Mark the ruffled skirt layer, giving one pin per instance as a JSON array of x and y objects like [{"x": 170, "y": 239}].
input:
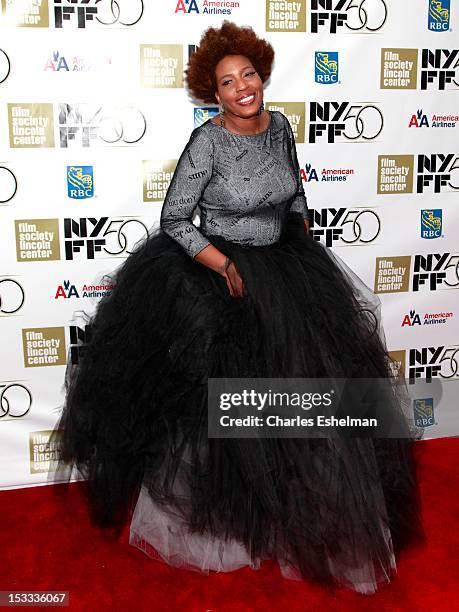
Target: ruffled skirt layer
[{"x": 134, "y": 422}]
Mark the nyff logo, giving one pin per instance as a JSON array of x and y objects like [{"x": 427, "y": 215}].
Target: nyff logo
[
  {"x": 344, "y": 121},
  {"x": 80, "y": 182},
  {"x": 326, "y": 67},
  {"x": 440, "y": 68},
  {"x": 431, "y": 362},
  {"x": 346, "y": 15}
]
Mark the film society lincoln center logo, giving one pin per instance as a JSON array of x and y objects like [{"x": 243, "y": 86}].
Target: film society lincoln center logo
[
  {"x": 43, "y": 454},
  {"x": 37, "y": 239},
  {"x": 30, "y": 125},
  {"x": 157, "y": 176},
  {"x": 43, "y": 346},
  {"x": 161, "y": 66},
  {"x": 395, "y": 174}
]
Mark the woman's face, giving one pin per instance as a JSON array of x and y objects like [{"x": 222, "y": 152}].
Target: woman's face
[{"x": 239, "y": 86}]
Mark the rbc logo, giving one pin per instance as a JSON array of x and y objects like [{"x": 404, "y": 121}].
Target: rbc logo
[
  {"x": 201, "y": 114},
  {"x": 80, "y": 182},
  {"x": 423, "y": 412},
  {"x": 439, "y": 13},
  {"x": 431, "y": 223},
  {"x": 326, "y": 67}
]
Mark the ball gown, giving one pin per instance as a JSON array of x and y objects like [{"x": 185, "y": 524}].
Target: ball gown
[{"x": 134, "y": 421}]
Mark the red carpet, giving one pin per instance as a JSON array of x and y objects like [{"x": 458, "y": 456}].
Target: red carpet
[{"x": 46, "y": 545}]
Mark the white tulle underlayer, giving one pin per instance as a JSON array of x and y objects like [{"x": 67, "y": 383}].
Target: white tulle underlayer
[{"x": 163, "y": 535}]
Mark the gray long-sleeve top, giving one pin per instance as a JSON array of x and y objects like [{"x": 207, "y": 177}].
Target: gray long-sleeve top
[{"x": 244, "y": 186}]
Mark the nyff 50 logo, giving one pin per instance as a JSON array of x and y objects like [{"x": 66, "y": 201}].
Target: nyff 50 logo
[
  {"x": 353, "y": 122},
  {"x": 433, "y": 362},
  {"x": 88, "y": 125},
  {"x": 12, "y": 296},
  {"x": 78, "y": 13},
  {"x": 350, "y": 15},
  {"x": 79, "y": 337},
  {"x": 344, "y": 226},
  {"x": 110, "y": 237},
  {"x": 440, "y": 68}
]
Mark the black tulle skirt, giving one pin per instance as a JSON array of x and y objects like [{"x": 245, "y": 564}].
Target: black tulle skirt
[{"x": 134, "y": 423}]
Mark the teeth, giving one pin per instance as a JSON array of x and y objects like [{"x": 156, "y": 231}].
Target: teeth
[{"x": 247, "y": 98}]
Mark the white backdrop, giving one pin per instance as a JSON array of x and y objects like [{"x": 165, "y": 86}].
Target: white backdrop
[{"x": 93, "y": 117}]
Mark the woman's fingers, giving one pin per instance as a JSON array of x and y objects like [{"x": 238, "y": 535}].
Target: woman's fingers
[
  {"x": 230, "y": 287},
  {"x": 240, "y": 289},
  {"x": 237, "y": 284},
  {"x": 234, "y": 281},
  {"x": 234, "y": 290}
]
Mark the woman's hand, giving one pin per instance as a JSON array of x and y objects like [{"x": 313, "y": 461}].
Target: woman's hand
[
  {"x": 214, "y": 259},
  {"x": 234, "y": 281}
]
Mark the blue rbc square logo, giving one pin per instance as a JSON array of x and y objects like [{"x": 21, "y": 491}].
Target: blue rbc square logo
[
  {"x": 326, "y": 67},
  {"x": 201, "y": 114},
  {"x": 431, "y": 223},
  {"x": 423, "y": 411},
  {"x": 439, "y": 15},
  {"x": 80, "y": 182}
]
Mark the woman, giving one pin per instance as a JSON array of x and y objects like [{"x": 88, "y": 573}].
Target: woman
[{"x": 247, "y": 294}]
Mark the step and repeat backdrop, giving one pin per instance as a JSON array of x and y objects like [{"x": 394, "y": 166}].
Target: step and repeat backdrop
[{"x": 94, "y": 115}]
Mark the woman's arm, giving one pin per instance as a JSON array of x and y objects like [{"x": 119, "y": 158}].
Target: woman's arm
[
  {"x": 299, "y": 203},
  {"x": 191, "y": 176}
]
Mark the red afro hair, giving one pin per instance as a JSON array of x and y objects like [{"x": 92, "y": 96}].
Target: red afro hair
[{"x": 214, "y": 45}]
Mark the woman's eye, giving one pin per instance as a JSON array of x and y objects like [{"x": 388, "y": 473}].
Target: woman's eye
[{"x": 247, "y": 74}]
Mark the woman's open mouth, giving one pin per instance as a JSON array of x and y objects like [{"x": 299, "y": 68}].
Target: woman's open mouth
[{"x": 246, "y": 100}]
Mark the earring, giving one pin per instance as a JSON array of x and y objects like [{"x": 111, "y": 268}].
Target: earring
[
  {"x": 261, "y": 109},
  {"x": 222, "y": 118}
]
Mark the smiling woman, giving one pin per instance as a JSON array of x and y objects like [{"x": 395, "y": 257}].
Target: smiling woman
[
  {"x": 217, "y": 44},
  {"x": 239, "y": 91},
  {"x": 246, "y": 294}
]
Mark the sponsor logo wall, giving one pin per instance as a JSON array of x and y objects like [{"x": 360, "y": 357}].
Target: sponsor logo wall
[{"x": 92, "y": 123}]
